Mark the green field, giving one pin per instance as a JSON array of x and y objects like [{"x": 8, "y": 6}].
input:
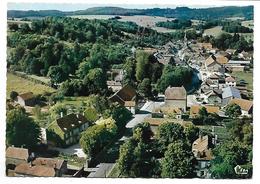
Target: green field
[
  {"x": 247, "y": 76},
  {"x": 216, "y": 31},
  {"x": 21, "y": 85}
]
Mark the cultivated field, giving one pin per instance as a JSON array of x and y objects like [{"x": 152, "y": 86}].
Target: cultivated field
[
  {"x": 215, "y": 31},
  {"x": 21, "y": 85},
  {"x": 247, "y": 76}
]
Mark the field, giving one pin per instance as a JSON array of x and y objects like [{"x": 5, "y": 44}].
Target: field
[
  {"x": 247, "y": 76},
  {"x": 248, "y": 23},
  {"x": 216, "y": 31},
  {"x": 21, "y": 85}
]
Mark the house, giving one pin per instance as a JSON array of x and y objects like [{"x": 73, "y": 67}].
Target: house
[
  {"x": 26, "y": 99},
  {"x": 231, "y": 51},
  {"x": 230, "y": 81},
  {"x": 222, "y": 58},
  {"x": 229, "y": 93},
  {"x": 166, "y": 112},
  {"x": 214, "y": 96},
  {"x": 211, "y": 64},
  {"x": 15, "y": 156},
  {"x": 114, "y": 85},
  {"x": 176, "y": 97},
  {"x": 205, "y": 46},
  {"x": 214, "y": 80},
  {"x": 194, "y": 110},
  {"x": 203, "y": 153},
  {"x": 60, "y": 166},
  {"x": 29, "y": 170},
  {"x": 66, "y": 130},
  {"x": 126, "y": 97},
  {"x": 245, "y": 105}
]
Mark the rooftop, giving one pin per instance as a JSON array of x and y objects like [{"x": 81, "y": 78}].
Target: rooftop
[
  {"x": 31, "y": 170},
  {"x": 48, "y": 162},
  {"x": 231, "y": 92},
  {"x": 245, "y": 105},
  {"x": 175, "y": 93},
  {"x": 26, "y": 96},
  {"x": 194, "y": 110},
  {"x": 17, "y": 153},
  {"x": 70, "y": 121}
]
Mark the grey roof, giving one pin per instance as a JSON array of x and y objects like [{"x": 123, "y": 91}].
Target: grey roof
[{"x": 231, "y": 92}]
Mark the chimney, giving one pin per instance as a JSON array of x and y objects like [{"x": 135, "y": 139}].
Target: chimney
[
  {"x": 200, "y": 137},
  {"x": 61, "y": 114},
  {"x": 77, "y": 115}
]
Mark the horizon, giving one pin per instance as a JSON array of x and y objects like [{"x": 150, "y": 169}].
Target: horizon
[{"x": 83, "y": 6}]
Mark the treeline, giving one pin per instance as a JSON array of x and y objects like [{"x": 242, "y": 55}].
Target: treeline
[
  {"x": 175, "y": 24},
  {"x": 228, "y": 26},
  {"x": 179, "y": 12}
]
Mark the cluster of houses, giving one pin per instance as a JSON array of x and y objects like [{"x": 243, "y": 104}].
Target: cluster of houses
[{"x": 19, "y": 162}]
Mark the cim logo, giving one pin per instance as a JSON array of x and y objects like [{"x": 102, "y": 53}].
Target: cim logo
[{"x": 239, "y": 170}]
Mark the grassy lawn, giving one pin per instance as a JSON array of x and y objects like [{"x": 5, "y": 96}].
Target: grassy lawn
[
  {"x": 247, "y": 76},
  {"x": 220, "y": 131},
  {"x": 21, "y": 85},
  {"x": 215, "y": 31},
  {"x": 72, "y": 160}
]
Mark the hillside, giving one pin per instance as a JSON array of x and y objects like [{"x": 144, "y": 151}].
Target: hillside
[{"x": 179, "y": 12}]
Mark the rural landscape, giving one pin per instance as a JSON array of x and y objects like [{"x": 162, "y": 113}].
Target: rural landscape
[{"x": 111, "y": 92}]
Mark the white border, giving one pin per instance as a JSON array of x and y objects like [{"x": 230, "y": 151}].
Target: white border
[{"x": 3, "y": 9}]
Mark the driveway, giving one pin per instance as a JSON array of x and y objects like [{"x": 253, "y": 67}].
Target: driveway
[{"x": 72, "y": 150}]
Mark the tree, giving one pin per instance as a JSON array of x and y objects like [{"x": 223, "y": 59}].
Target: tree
[
  {"x": 13, "y": 27},
  {"x": 57, "y": 74},
  {"x": 129, "y": 68},
  {"x": 145, "y": 88},
  {"x": 142, "y": 132},
  {"x": 227, "y": 156},
  {"x": 58, "y": 110},
  {"x": 25, "y": 29},
  {"x": 233, "y": 110},
  {"x": 168, "y": 133},
  {"x": 13, "y": 95},
  {"x": 96, "y": 81},
  {"x": 191, "y": 132},
  {"x": 178, "y": 161},
  {"x": 142, "y": 60},
  {"x": 93, "y": 140},
  {"x": 21, "y": 130},
  {"x": 91, "y": 114},
  {"x": 174, "y": 76}
]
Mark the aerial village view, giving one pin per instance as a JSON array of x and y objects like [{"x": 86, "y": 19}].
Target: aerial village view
[{"x": 115, "y": 92}]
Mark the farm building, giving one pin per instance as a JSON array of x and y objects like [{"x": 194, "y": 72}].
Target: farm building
[
  {"x": 66, "y": 130},
  {"x": 176, "y": 97},
  {"x": 26, "y": 99},
  {"x": 245, "y": 105}
]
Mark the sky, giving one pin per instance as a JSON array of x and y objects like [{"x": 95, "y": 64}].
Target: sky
[{"x": 81, "y": 6}]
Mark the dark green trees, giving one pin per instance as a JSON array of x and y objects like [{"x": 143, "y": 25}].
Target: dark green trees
[
  {"x": 21, "y": 130},
  {"x": 178, "y": 161}
]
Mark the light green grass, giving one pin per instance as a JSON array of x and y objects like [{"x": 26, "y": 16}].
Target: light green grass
[
  {"x": 247, "y": 76},
  {"x": 21, "y": 85}
]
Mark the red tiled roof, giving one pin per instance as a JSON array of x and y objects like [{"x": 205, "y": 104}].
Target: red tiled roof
[
  {"x": 17, "y": 153},
  {"x": 175, "y": 93},
  {"x": 30, "y": 170}
]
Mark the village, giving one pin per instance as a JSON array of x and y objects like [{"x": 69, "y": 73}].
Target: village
[
  {"x": 114, "y": 102},
  {"x": 218, "y": 89}
]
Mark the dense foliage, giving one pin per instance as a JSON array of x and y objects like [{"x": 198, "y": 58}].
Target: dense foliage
[
  {"x": 175, "y": 24},
  {"x": 21, "y": 130}
]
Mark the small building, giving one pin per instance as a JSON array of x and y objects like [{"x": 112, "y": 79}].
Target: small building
[
  {"x": 30, "y": 170},
  {"x": 211, "y": 64},
  {"x": 126, "y": 97},
  {"x": 26, "y": 99},
  {"x": 230, "y": 81},
  {"x": 60, "y": 166},
  {"x": 176, "y": 97},
  {"x": 66, "y": 130},
  {"x": 205, "y": 46},
  {"x": 15, "y": 156},
  {"x": 214, "y": 97},
  {"x": 203, "y": 153},
  {"x": 229, "y": 93},
  {"x": 194, "y": 110},
  {"x": 114, "y": 85},
  {"x": 245, "y": 105}
]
